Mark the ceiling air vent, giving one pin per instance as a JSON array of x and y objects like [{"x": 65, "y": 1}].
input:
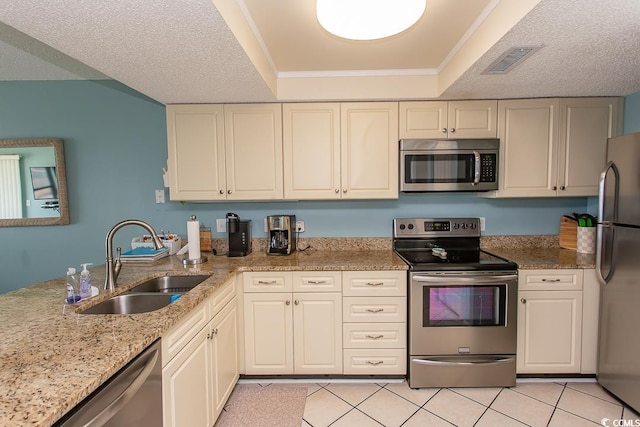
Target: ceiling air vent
[{"x": 511, "y": 58}]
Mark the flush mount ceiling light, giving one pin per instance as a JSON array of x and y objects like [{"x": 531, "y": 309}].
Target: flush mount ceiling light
[{"x": 368, "y": 19}]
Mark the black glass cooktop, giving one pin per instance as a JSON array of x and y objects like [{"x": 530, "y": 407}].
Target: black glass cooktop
[{"x": 449, "y": 254}]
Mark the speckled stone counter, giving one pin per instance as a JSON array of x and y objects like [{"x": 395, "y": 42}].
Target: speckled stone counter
[
  {"x": 536, "y": 252},
  {"x": 50, "y": 361}
]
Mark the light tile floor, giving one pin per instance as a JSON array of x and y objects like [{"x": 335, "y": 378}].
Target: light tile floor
[{"x": 553, "y": 404}]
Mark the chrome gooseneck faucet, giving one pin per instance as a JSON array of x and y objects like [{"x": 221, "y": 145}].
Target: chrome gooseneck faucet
[{"x": 113, "y": 269}]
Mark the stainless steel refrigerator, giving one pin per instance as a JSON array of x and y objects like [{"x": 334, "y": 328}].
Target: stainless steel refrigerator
[{"x": 618, "y": 269}]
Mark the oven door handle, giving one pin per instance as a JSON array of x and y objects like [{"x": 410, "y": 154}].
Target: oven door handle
[
  {"x": 479, "y": 362},
  {"x": 458, "y": 279}
]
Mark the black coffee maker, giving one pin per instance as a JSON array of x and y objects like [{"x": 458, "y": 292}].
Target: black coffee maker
[{"x": 239, "y": 235}]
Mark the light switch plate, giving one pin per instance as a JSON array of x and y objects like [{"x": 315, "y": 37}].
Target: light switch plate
[
  {"x": 482, "y": 223},
  {"x": 221, "y": 225},
  {"x": 159, "y": 196}
]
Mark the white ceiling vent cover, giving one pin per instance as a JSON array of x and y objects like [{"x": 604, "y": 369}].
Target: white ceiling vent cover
[{"x": 508, "y": 60}]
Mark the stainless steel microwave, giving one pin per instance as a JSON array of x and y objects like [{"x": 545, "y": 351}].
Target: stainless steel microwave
[{"x": 449, "y": 164}]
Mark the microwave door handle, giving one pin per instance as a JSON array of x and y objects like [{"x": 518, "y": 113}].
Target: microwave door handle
[{"x": 476, "y": 174}]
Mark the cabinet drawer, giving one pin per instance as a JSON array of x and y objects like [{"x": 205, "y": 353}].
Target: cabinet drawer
[
  {"x": 225, "y": 293},
  {"x": 550, "y": 279},
  {"x": 374, "y": 335},
  {"x": 181, "y": 333},
  {"x": 374, "y": 309},
  {"x": 375, "y": 283},
  {"x": 375, "y": 361},
  {"x": 267, "y": 281},
  {"x": 317, "y": 281}
]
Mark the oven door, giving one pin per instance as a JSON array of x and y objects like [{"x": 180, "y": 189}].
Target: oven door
[
  {"x": 463, "y": 313},
  {"x": 448, "y": 170}
]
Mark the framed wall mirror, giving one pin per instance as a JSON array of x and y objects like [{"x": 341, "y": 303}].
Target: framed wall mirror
[{"x": 33, "y": 185}]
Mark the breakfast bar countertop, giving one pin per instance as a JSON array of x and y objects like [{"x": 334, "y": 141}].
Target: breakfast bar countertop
[{"x": 52, "y": 360}]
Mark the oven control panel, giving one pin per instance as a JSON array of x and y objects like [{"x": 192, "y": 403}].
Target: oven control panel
[{"x": 436, "y": 227}]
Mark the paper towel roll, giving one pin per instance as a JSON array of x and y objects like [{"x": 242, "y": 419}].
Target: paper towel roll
[{"x": 193, "y": 236}]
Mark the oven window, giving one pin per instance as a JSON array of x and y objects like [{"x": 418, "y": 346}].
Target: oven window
[
  {"x": 439, "y": 168},
  {"x": 464, "y": 305}
]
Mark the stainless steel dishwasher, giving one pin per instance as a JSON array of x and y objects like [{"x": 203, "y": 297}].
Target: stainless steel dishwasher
[{"x": 132, "y": 397}]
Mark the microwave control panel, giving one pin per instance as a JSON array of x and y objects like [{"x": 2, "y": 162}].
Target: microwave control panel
[{"x": 488, "y": 167}]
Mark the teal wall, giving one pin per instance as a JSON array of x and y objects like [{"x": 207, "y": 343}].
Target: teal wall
[
  {"x": 115, "y": 147},
  {"x": 632, "y": 113}
]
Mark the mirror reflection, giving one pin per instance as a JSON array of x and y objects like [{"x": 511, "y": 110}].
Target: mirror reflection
[{"x": 33, "y": 187}]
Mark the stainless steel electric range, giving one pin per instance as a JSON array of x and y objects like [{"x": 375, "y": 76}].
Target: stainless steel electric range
[{"x": 462, "y": 305}]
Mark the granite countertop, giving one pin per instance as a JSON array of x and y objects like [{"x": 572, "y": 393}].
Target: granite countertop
[
  {"x": 536, "y": 252},
  {"x": 52, "y": 360}
]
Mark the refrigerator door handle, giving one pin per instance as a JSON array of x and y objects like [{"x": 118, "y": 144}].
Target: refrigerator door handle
[{"x": 606, "y": 224}]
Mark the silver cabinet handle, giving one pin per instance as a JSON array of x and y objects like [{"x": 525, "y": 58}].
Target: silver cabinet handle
[
  {"x": 271, "y": 282},
  {"x": 212, "y": 334},
  {"x": 374, "y": 337},
  {"x": 444, "y": 130},
  {"x": 374, "y": 362},
  {"x": 344, "y": 190},
  {"x": 452, "y": 130},
  {"x": 554, "y": 188},
  {"x": 375, "y": 283},
  {"x": 288, "y": 302},
  {"x": 296, "y": 302},
  {"x": 550, "y": 280},
  {"x": 316, "y": 282},
  {"x": 336, "y": 190},
  {"x": 221, "y": 192},
  {"x": 375, "y": 310},
  {"x": 228, "y": 191},
  {"x": 562, "y": 187},
  {"x": 523, "y": 300}
]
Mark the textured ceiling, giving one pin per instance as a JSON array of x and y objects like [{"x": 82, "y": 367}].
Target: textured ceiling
[{"x": 188, "y": 51}]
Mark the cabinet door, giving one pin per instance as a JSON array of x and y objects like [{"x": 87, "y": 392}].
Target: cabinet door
[
  {"x": 423, "y": 119},
  {"x": 586, "y": 125},
  {"x": 224, "y": 355},
  {"x": 590, "y": 322},
  {"x": 528, "y": 131},
  {"x": 317, "y": 330},
  {"x": 369, "y": 150},
  {"x": 186, "y": 386},
  {"x": 311, "y": 142},
  {"x": 268, "y": 333},
  {"x": 472, "y": 119},
  {"x": 195, "y": 136},
  {"x": 253, "y": 151},
  {"x": 549, "y": 332}
]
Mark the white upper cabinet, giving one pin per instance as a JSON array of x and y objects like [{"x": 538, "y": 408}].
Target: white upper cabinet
[
  {"x": 230, "y": 152},
  {"x": 369, "y": 150},
  {"x": 253, "y": 150},
  {"x": 311, "y": 139},
  {"x": 340, "y": 151},
  {"x": 554, "y": 147},
  {"x": 195, "y": 135},
  {"x": 448, "y": 119}
]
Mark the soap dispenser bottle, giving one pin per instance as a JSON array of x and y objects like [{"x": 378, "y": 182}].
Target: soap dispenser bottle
[
  {"x": 85, "y": 281},
  {"x": 72, "y": 287}
]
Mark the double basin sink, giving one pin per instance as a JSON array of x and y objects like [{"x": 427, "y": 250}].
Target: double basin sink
[{"x": 150, "y": 295}]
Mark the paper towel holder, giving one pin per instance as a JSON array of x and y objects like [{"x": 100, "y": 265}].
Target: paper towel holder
[{"x": 195, "y": 261}]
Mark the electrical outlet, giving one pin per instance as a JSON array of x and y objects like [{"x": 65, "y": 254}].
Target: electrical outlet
[
  {"x": 482, "y": 223},
  {"x": 221, "y": 225},
  {"x": 266, "y": 226},
  {"x": 159, "y": 196},
  {"x": 300, "y": 226}
]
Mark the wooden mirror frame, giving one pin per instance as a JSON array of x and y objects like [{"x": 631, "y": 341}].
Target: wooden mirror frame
[{"x": 58, "y": 149}]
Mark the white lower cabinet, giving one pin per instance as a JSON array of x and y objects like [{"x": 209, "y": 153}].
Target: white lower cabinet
[
  {"x": 557, "y": 321},
  {"x": 292, "y": 323},
  {"x": 375, "y": 322},
  {"x": 200, "y": 362}
]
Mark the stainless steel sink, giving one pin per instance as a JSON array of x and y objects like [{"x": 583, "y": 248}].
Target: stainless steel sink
[
  {"x": 170, "y": 284},
  {"x": 132, "y": 303}
]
